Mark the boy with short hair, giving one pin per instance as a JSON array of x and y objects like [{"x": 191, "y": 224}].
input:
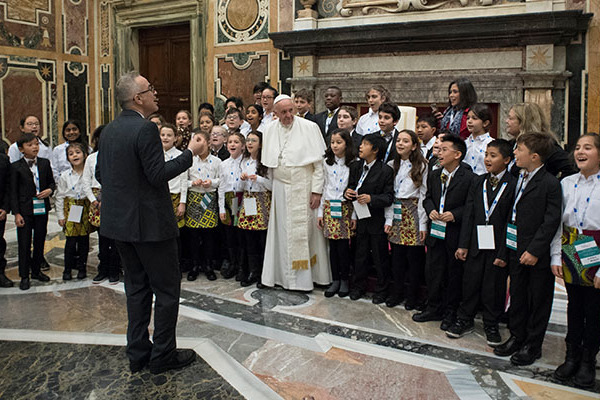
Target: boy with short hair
[
  {"x": 233, "y": 120},
  {"x": 533, "y": 221},
  {"x": 482, "y": 236},
  {"x": 303, "y": 99},
  {"x": 426, "y": 130},
  {"x": 447, "y": 189},
  {"x": 389, "y": 115},
  {"x": 31, "y": 183},
  {"x": 371, "y": 183}
]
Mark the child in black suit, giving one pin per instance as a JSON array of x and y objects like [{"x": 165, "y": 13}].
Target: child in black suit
[
  {"x": 371, "y": 183},
  {"x": 482, "y": 235},
  {"x": 533, "y": 221},
  {"x": 31, "y": 184},
  {"x": 447, "y": 190}
]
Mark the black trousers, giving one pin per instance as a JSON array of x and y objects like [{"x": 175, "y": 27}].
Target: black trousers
[
  {"x": 443, "y": 273},
  {"x": 531, "y": 296},
  {"x": 254, "y": 242},
  {"x": 377, "y": 245},
  {"x": 202, "y": 242},
  {"x": 110, "y": 263},
  {"x": 339, "y": 258},
  {"x": 2, "y": 247},
  {"x": 407, "y": 261},
  {"x": 151, "y": 268},
  {"x": 76, "y": 252},
  {"x": 35, "y": 228},
  {"x": 583, "y": 317},
  {"x": 233, "y": 237},
  {"x": 485, "y": 284}
]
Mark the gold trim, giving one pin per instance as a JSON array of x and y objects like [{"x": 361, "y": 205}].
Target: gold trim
[
  {"x": 300, "y": 264},
  {"x": 313, "y": 260}
]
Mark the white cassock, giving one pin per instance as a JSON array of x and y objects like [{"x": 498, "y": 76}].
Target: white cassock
[{"x": 296, "y": 251}]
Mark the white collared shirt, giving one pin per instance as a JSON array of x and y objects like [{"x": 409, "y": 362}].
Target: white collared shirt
[
  {"x": 329, "y": 119},
  {"x": 368, "y": 123},
  {"x": 177, "y": 185},
  {"x": 204, "y": 169},
  {"x": 476, "y": 147},
  {"x": 267, "y": 118},
  {"x": 229, "y": 179},
  {"x": 89, "y": 177},
  {"x": 336, "y": 181},
  {"x": 262, "y": 184},
  {"x": 404, "y": 188},
  {"x": 521, "y": 185},
  {"x": 425, "y": 147},
  {"x": 70, "y": 184},
  {"x": 34, "y": 171}
]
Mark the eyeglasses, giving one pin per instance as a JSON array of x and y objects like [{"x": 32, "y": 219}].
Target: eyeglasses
[
  {"x": 150, "y": 89},
  {"x": 251, "y": 140},
  {"x": 32, "y": 124},
  {"x": 267, "y": 97},
  {"x": 233, "y": 117}
]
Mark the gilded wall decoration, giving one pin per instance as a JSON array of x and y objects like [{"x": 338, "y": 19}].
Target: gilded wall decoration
[
  {"x": 75, "y": 27},
  {"x": 242, "y": 21},
  {"x": 350, "y": 7},
  {"x": 28, "y": 24},
  {"x": 76, "y": 94},
  {"x": 104, "y": 29}
]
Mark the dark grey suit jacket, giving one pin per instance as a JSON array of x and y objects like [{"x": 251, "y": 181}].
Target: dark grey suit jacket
[{"x": 136, "y": 204}]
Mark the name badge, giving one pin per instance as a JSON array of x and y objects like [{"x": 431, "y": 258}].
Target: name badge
[
  {"x": 335, "y": 206},
  {"x": 75, "y": 213},
  {"x": 39, "y": 206},
  {"x": 362, "y": 210},
  {"x": 588, "y": 252},
  {"x": 438, "y": 229},
  {"x": 250, "y": 208},
  {"x": 485, "y": 237},
  {"x": 511, "y": 237},
  {"x": 234, "y": 206},
  {"x": 397, "y": 210},
  {"x": 205, "y": 202}
]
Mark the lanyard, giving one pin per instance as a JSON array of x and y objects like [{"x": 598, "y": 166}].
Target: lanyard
[
  {"x": 587, "y": 204},
  {"x": 389, "y": 149},
  {"x": 36, "y": 177},
  {"x": 519, "y": 194},
  {"x": 362, "y": 178},
  {"x": 444, "y": 191},
  {"x": 489, "y": 210}
]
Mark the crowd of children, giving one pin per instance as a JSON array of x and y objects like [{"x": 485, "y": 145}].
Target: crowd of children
[{"x": 461, "y": 216}]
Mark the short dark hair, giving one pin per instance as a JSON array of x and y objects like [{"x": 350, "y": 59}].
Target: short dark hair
[
  {"x": 236, "y": 100},
  {"x": 78, "y": 145},
  {"x": 77, "y": 124},
  {"x": 22, "y": 122},
  {"x": 260, "y": 86},
  {"x": 206, "y": 106},
  {"x": 538, "y": 142},
  {"x": 271, "y": 88},
  {"x": 25, "y": 138},
  {"x": 457, "y": 143},
  {"x": 169, "y": 126},
  {"x": 335, "y": 88},
  {"x": 258, "y": 109},
  {"x": 483, "y": 112},
  {"x": 232, "y": 110},
  {"x": 503, "y": 146},
  {"x": 392, "y": 109},
  {"x": 468, "y": 95},
  {"x": 429, "y": 119},
  {"x": 304, "y": 94},
  {"x": 377, "y": 143}
]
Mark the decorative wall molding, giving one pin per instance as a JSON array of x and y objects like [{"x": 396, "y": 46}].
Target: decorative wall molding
[{"x": 349, "y": 7}]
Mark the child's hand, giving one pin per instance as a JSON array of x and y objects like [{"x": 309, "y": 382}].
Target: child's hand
[
  {"x": 253, "y": 178},
  {"x": 197, "y": 182},
  {"x": 461, "y": 254},
  {"x": 500, "y": 263},
  {"x": 596, "y": 282},
  {"x": 206, "y": 184},
  {"x": 434, "y": 215},
  {"x": 528, "y": 259},
  {"x": 180, "y": 210},
  {"x": 422, "y": 236},
  {"x": 19, "y": 221},
  {"x": 364, "y": 198},
  {"x": 447, "y": 216},
  {"x": 387, "y": 229},
  {"x": 223, "y": 216},
  {"x": 350, "y": 194},
  {"x": 438, "y": 115},
  {"x": 61, "y": 222},
  {"x": 353, "y": 225},
  {"x": 244, "y": 176},
  {"x": 2, "y": 215},
  {"x": 44, "y": 193},
  {"x": 557, "y": 270},
  {"x": 320, "y": 223},
  {"x": 96, "y": 203}
]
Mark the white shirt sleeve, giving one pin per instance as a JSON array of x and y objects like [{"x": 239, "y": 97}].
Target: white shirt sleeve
[{"x": 555, "y": 248}]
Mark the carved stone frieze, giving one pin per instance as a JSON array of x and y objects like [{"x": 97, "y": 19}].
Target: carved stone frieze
[{"x": 349, "y": 7}]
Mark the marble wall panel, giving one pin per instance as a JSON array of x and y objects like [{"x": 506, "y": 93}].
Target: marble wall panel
[
  {"x": 27, "y": 24},
  {"x": 105, "y": 94},
  {"x": 104, "y": 29},
  {"x": 75, "y": 27},
  {"x": 285, "y": 72},
  {"x": 241, "y": 21},
  {"x": 76, "y": 94}
]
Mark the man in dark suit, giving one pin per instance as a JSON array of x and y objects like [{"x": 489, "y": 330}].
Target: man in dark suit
[
  {"x": 327, "y": 120},
  {"x": 137, "y": 213},
  {"x": 447, "y": 190},
  {"x": 4, "y": 209},
  {"x": 31, "y": 183}
]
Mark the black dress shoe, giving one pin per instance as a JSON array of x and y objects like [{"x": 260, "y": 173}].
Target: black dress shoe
[
  {"x": 193, "y": 274},
  {"x": 81, "y": 274},
  {"x": 426, "y": 316},
  {"x": 393, "y": 301},
  {"x": 179, "y": 359},
  {"x": 511, "y": 346},
  {"x": 378, "y": 299},
  {"x": 44, "y": 266},
  {"x": 5, "y": 282},
  {"x": 448, "y": 321},
  {"x": 229, "y": 272},
  {"x": 210, "y": 275},
  {"x": 137, "y": 366},
  {"x": 25, "y": 284},
  {"x": 252, "y": 278},
  {"x": 67, "y": 276},
  {"x": 356, "y": 294},
  {"x": 42, "y": 277},
  {"x": 526, "y": 355}
]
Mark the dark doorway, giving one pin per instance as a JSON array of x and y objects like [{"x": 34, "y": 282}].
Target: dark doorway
[{"x": 165, "y": 62}]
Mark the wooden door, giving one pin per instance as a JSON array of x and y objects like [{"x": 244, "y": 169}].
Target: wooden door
[{"x": 165, "y": 62}]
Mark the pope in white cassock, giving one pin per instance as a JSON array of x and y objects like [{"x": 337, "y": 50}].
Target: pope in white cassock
[{"x": 296, "y": 251}]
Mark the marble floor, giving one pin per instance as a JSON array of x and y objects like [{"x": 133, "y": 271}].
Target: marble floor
[{"x": 66, "y": 341}]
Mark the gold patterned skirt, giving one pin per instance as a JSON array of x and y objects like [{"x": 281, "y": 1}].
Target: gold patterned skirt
[
  {"x": 260, "y": 221},
  {"x": 94, "y": 214},
  {"x": 232, "y": 213},
  {"x": 176, "y": 200},
  {"x": 337, "y": 228},
  {"x": 82, "y": 228},
  {"x": 406, "y": 232},
  {"x": 202, "y": 210}
]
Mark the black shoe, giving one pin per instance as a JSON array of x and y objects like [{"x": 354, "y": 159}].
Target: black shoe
[
  {"x": 344, "y": 289},
  {"x": 526, "y": 355},
  {"x": 42, "y": 277},
  {"x": 193, "y": 274},
  {"x": 378, "y": 299},
  {"x": 25, "y": 284},
  {"x": 410, "y": 305},
  {"x": 230, "y": 272},
  {"x": 113, "y": 280},
  {"x": 460, "y": 328},
  {"x": 81, "y": 274},
  {"x": 426, "y": 316},
  {"x": 137, "y": 366},
  {"x": 585, "y": 377},
  {"x": 566, "y": 370},
  {"x": 5, "y": 282},
  {"x": 67, "y": 276},
  {"x": 511, "y": 346},
  {"x": 393, "y": 301},
  {"x": 259, "y": 285},
  {"x": 179, "y": 359},
  {"x": 241, "y": 275},
  {"x": 252, "y": 278},
  {"x": 210, "y": 274},
  {"x": 101, "y": 277},
  {"x": 356, "y": 294},
  {"x": 44, "y": 266},
  {"x": 448, "y": 320},
  {"x": 492, "y": 335},
  {"x": 332, "y": 289}
]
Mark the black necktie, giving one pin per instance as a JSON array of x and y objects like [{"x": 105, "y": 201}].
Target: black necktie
[{"x": 31, "y": 163}]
